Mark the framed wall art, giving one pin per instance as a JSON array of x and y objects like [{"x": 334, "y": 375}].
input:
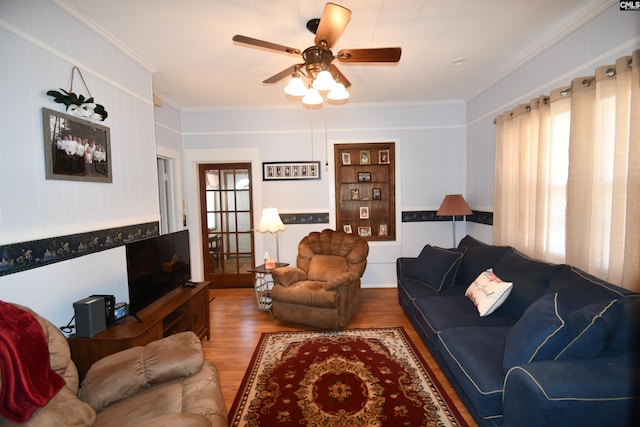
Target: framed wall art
[
  {"x": 364, "y": 212},
  {"x": 364, "y": 176},
  {"x": 283, "y": 171},
  {"x": 364, "y": 231},
  {"x": 76, "y": 149}
]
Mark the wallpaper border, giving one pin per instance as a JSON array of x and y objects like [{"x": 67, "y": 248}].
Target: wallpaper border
[
  {"x": 480, "y": 217},
  {"x": 23, "y": 256}
]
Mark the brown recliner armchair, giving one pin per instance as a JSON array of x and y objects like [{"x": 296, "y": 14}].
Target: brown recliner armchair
[
  {"x": 324, "y": 289},
  {"x": 165, "y": 383}
]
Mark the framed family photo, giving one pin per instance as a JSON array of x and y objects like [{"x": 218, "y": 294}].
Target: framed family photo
[
  {"x": 347, "y": 229},
  {"x": 364, "y": 231},
  {"x": 274, "y": 171},
  {"x": 75, "y": 149},
  {"x": 364, "y": 212},
  {"x": 346, "y": 158}
]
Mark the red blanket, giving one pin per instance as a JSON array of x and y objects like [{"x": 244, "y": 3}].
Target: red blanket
[{"x": 28, "y": 382}]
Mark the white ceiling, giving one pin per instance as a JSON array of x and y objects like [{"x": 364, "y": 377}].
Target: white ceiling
[{"x": 197, "y": 65}]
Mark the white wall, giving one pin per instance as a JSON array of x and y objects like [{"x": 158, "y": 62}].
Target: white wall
[
  {"x": 430, "y": 162},
  {"x": 599, "y": 41},
  {"x": 39, "y": 44}
]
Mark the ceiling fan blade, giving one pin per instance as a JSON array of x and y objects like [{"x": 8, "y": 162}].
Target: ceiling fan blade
[
  {"x": 282, "y": 74},
  {"x": 267, "y": 45},
  {"x": 332, "y": 24},
  {"x": 384, "y": 54},
  {"x": 335, "y": 72}
]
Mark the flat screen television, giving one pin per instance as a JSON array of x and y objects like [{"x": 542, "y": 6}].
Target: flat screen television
[{"x": 155, "y": 267}]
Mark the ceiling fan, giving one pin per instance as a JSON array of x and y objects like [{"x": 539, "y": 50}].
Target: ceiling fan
[{"x": 318, "y": 59}]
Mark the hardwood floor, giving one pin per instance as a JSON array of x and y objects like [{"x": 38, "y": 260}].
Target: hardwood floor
[{"x": 236, "y": 326}]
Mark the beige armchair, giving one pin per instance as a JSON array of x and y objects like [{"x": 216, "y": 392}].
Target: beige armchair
[
  {"x": 165, "y": 383},
  {"x": 324, "y": 289}
]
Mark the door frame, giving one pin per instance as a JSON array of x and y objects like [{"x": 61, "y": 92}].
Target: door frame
[
  {"x": 193, "y": 158},
  {"x": 176, "y": 198}
]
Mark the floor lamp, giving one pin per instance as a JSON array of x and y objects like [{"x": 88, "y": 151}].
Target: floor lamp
[
  {"x": 271, "y": 222},
  {"x": 453, "y": 205}
]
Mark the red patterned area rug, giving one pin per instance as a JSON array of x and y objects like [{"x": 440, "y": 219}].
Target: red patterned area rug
[{"x": 357, "y": 377}]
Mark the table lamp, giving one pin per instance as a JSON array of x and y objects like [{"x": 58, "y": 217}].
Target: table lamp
[
  {"x": 271, "y": 222},
  {"x": 452, "y": 205}
]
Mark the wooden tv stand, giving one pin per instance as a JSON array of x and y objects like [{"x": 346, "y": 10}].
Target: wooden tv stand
[{"x": 183, "y": 309}]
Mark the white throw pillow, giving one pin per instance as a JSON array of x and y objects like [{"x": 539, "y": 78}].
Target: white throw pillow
[{"x": 488, "y": 292}]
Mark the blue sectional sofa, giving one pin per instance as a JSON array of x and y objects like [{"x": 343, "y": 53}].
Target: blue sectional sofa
[{"x": 561, "y": 348}]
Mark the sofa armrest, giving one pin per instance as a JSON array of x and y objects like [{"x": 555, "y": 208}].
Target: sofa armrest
[
  {"x": 589, "y": 392},
  {"x": 286, "y": 276},
  {"x": 120, "y": 375},
  {"x": 404, "y": 264},
  {"x": 342, "y": 280}
]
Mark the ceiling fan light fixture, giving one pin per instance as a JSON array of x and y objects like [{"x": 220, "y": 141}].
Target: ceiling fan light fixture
[
  {"x": 312, "y": 97},
  {"x": 296, "y": 87},
  {"x": 324, "y": 81},
  {"x": 338, "y": 93}
]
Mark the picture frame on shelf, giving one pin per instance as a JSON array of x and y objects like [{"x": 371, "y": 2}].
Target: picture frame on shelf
[
  {"x": 347, "y": 229},
  {"x": 76, "y": 149},
  {"x": 364, "y": 176},
  {"x": 383, "y": 157},
  {"x": 364, "y": 212},
  {"x": 355, "y": 194},
  {"x": 383, "y": 230},
  {"x": 282, "y": 171},
  {"x": 376, "y": 193},
  {"x": 365, "y": 157},
  {"x": 364, "y": 231},
  {"x": 346, "y": 158}
]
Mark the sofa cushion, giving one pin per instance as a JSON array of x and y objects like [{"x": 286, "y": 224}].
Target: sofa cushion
[
  {"x": 626, "y": 337},
  {"x": 488, "y": 292},
  {"x": 64, "y": 409},
  {"x": 479, "y": 257},
  {"x": 538, "y": 335},
  {"x": 436, "y": 267},
  {"x": 577, "y": 289},
  {"x": 590, "y": 330},
  {"x": 530, "y": 279},
  {"x": 306, "y": 293},
  {"x": 473, "y": 355},
  {"x": 324, "y": 267},
  {"x": 446, "y": 312}
]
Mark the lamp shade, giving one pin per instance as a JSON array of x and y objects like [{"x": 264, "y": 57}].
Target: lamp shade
[
  {"x": 452, "y": 205},
  {"x": 312, "y": 97},
  {"x": 338, "y": 93},
  {"x": 323, "y": 81},
  {"x": 270, "y": 221},
  {"x": 296, "y": 87}
]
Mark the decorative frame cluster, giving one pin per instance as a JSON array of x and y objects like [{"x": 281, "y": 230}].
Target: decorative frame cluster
[{"x": 286, "y": 171}]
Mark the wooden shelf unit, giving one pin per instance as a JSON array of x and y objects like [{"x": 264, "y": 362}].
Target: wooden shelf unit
[
  {"x": 183, "y": 309},
  {"x": 369, "y": 188}
]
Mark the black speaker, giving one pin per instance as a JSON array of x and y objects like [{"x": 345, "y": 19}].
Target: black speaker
[
  {"x": 109, "y": 307},
  {"x": 91, "y": 316}
]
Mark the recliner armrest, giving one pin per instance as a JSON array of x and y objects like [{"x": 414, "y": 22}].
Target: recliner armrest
[
  {"x": 120, "y": 375},
  {"x": 286, "y": 276}
]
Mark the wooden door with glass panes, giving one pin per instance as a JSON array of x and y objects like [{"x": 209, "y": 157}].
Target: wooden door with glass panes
[{"x": 227, "y": 223}]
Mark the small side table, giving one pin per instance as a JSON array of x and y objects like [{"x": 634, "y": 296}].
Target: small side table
[{"x": 263, "y": 286}]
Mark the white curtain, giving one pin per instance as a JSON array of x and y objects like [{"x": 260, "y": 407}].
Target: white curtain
[{"x": 567, "y": 183}]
